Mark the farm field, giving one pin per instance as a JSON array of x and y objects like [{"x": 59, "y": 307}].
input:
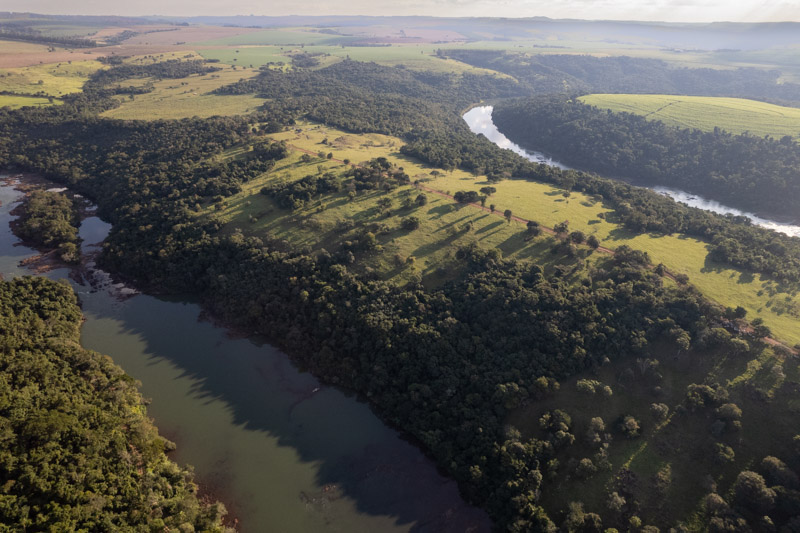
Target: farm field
[
  {"x": 54, "y": 79},
  {"x": 15, "y": 102},
  {"x": 547, "y": 205},
  {"x": 188, "y": 97},
  {"x": 735, "y": 115}
]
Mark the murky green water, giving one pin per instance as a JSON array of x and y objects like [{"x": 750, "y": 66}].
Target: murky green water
[{"x": 283, "y": 451}]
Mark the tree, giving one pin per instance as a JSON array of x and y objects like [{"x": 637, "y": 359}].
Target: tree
[
  {"x": 751, "y": 493},
  {"x": 577, "y": 237},
  {"x": 488, "y": 191},
  {"x": 410, "y": 223},
  {"x": 492, "y": 207},
  {"x": 507, "y": 213},
  {"x": 533, "y": 228},
  {"x": 629, "y": 427},
  {"x": 421, "y": 199},
  {"x": 385, "y": 203},
  {"x": 561, "y": 227},
  {"x": 592, "y": 242},
  {"x": 660, "y": 411}
]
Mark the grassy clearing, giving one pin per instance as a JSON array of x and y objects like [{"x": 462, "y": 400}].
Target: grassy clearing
[
  {"x": 188, "y": 97},
  {"x": 331, "y": 219},
  {"x": 55, "y": 79},
  {"x": 547, "y": 205},
  {"x": 682, "y": 444},
  {"x": 680, "y": 254},
  {"x": 15, "y": 102},
  {"x": 736, "y": 115}
]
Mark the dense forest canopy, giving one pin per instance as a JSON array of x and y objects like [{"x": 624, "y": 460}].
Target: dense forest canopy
[{"x": 77, "y": 452}]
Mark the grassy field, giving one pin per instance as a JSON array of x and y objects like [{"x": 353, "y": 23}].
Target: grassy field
[
  {"x": 548, "y": 206},
  {"x": 736, "y": 115},
  {"x": 15, "y": 102},
  {"x": 188, "y": 97},
  {"x": 334, "y": 218},
  {"x": 55, "y": 79},
  {"x": 682, "y": 445}
]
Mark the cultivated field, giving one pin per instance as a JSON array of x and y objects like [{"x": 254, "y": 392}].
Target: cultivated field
[{"x": 735, "y": 115}]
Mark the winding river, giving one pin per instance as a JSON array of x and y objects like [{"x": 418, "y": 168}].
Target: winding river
[
  {"x": 283, "y": 451},
  {"x": 479, "y": 120}
]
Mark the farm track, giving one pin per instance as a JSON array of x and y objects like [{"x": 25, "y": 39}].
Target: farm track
[{"x": 551, "y": 231}]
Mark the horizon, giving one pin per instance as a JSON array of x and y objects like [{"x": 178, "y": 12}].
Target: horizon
[{"x": 663, "y": 11}]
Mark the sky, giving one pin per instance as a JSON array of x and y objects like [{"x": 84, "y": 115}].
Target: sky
[{"x": 652, "y": 10}]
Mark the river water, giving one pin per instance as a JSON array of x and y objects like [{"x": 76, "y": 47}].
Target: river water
[
  {"x": 284, "y": 452},
  {"x": 479, "y": 120}
]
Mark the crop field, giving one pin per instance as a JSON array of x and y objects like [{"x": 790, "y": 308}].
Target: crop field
[
  {"x": 546, "y": 204},
  {"x": 668, "y": 484},
  {"x": 188, "y": 97},
  {"x": 15, "y": 102},
  {"x": 55, "y": 79},
  {"x": 735, "y": 115}
]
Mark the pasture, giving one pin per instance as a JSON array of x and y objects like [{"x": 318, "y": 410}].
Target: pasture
[
  {"x": 187, "y": 97},
  {"x": 736, "y": 115},
  {"x": 15, "y": 102},
  {"x": 52, "y": 79},
  {"x": 779, "y": 307}
]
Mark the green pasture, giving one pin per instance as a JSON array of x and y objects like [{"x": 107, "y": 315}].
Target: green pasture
[
  {"x": 736, "y": 115},
  {"x": 778, "y": 306},
  {"x": 187, "y": 97},
  {"x": 54, "y": 79},
  {"x": 15, "y": 102}
]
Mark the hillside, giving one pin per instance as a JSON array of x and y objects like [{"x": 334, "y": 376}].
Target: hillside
[{"x": 736, "y": 115}]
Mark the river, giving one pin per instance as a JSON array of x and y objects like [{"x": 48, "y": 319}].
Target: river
[
  {"x": 283, "y": 451},
  {"x": 479, "y": 120}
]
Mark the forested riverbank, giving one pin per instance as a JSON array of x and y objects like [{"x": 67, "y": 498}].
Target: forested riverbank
[{"x": 82, "y": 416}]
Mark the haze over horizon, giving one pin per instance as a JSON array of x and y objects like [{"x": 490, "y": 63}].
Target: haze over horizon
[{"x": 657, "y": 10}]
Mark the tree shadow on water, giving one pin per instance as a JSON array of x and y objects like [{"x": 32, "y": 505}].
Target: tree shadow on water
[{"x": 270, "y": 405}]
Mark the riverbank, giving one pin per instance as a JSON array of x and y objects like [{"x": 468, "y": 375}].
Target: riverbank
[
  {"x": 289, "y": 459},
  {"x": 479, "y": 120}
]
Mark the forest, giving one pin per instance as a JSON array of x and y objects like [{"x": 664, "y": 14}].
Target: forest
[
  {"x": 49, "y": 221},
  {"x": 447, "y": 365},
  {"x": 77, "y": 452}
]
